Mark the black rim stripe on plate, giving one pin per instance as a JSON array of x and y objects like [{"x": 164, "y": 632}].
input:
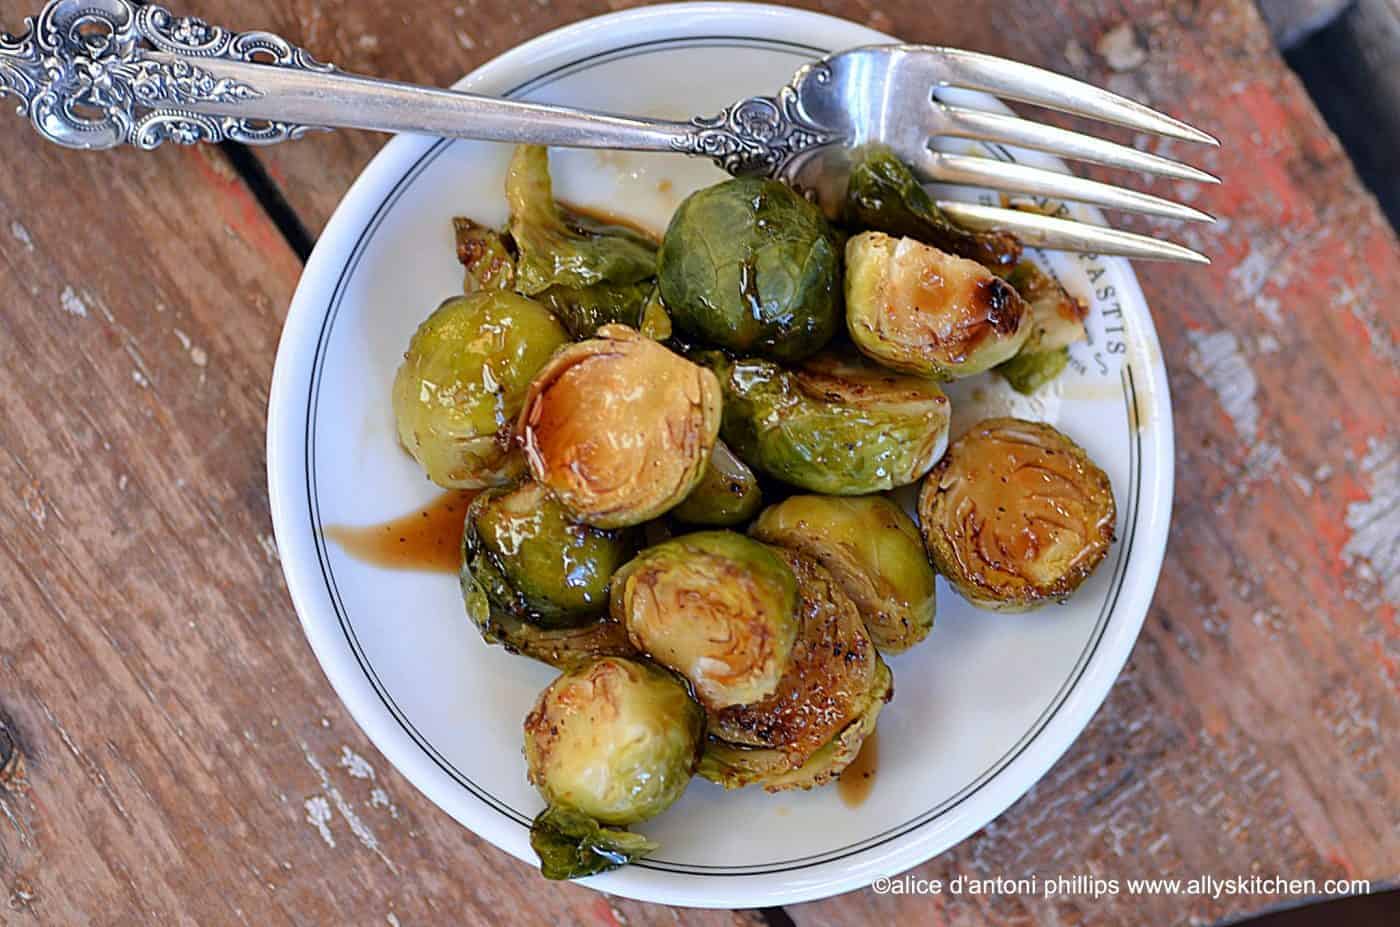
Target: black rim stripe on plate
[{"x": 521, "y": 818}]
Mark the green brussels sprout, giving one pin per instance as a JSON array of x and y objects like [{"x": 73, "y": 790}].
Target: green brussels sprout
[
  {"x": 584, "y": 310},
  {"x": 884, "y": 196},
  {"x": 558, "y": 247},
  {"x": 837, "y": 424},
  {"x": 608, "y": 744},
  {"x": 916, "y": 309},
  {"x": 483, "y": 252},
  {"x": 1016, "y": 515},
  {"x": 828, "y": 681},
  {"x": 534, "y": 563},
  {"x": 563, "y": 648},
  {"x": 874, "y": 552},
  {"x": 751, "y": 266},
  {"x": 716, "y": 607},
  {"x": 619, "y": 428},
  {"x": 1029, "y": 372},
  {"x": 735, "y": 767},
  {"x": 726, "y": 495},
  {"x": 463, "y": 381}
]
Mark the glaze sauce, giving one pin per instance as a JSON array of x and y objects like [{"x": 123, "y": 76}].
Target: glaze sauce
[
  {"x": 429, "y": 539},
  {"x": 858, "y": 779}
]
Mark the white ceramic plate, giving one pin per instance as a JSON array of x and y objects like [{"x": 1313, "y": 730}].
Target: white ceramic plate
[{"x": 981, "y": 710}]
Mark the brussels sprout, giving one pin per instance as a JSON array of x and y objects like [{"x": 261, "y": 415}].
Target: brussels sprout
[
  {"x": 1016, "y": 515},
  {"x": 536, "y": 565},
  {"x": 726, "y": 495},
  {"x": 558, "y": 247},
  {"x": 884, "y": 196},
  {"x": 1057, "y": 321},
  {"x": 1029, "y": 372},
  {"x": 916, "y": 309},
  {"x": 564, "y": 648},
  {"x": 838, "y": 424},
  {"x": 735, "y": 767},
  {"x": 584, "y": 310},
  {"x": 872, "y": 549},
  {"x": 483, "y": 252},
  {"x": 715, "y": 606},
  {"x": 751, "y": 266},
  {"x": 828, "y": 680},
  {"x": 619, "y": 428},
  {"x": 608, "y": 744},
  {"x": 463, "y": 381}
]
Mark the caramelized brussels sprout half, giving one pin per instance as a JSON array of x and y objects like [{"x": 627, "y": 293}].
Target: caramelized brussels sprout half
[
  {"x": 917, "y": 309},
  {"x": 828, "y": 680},
  {"x": 608, "y": 744},
  {"x": 874, "y": 552},
  {"x": 750, "y": 265},
  {"x": 884, "y": 196},
  {"x": 716, "y": 607},
  {"x": 558, "y": 247},
  {"x": 726, "y": 495},
  {"x": 1057, "y": 321},
  {"x": 735, "y": 767},
  {"x": 837, "y": 424},
  {"x": 537, "y": 565},
  {"x": 619, "y": 428},
  {"x": 483, "y": 252},
  {"x": 463, "y": 381},
  {"x": 584, "y": 310},
  {"x": 1016, "y": 515}
]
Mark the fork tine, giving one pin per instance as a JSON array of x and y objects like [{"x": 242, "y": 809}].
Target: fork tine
[
  {"x": 1040, "y": 87},
  {"x": 1010, "y": 130},
  {"x": 1066, "y": 235},
  {"x": 940, "y": 167}
]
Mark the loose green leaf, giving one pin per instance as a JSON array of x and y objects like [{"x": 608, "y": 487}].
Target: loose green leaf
[
  {"x": 485, "y": 255},
  {"x": 572, "y": 845}
]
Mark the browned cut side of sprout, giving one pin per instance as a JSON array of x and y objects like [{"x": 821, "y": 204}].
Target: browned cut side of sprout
[
  {"x": 619, "y": 428},
  {"x": 1016, "y": 515},
  {"x": 827, "y": 684}
]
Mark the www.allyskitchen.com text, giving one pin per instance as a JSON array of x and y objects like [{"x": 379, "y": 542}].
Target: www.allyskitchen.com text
[{"x": 1092, "y": 886}]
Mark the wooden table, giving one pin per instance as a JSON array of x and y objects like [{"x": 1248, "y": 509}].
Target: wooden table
[{"x": 173, "y": 753}]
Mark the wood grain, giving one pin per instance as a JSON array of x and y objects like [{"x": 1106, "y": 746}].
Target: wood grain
[{"x": 176, "y": 764}]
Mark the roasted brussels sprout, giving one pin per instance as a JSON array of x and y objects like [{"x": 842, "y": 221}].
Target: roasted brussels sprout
[
  {"x": 611, "y": 743},
  {"x": 619, "y": 428},
  {"x": 463, "y": 381},
  {"x": 584, "y": 310},
  {"x": 884, "y": 196},
  {"x": 828, "y": 682},
  {"x": 1057, "y": 321},
  {"x": 751, "y": 266},
  {"x": 716, "y": 607},
  {"x": 1029, "y": 372},
  {"x": 558, "y": 247},
  {"x": 735, "y": 767},
  {"x": 483, "y": 252},
  {"x": 917, "y": 309},
  {"x": 872, "y": 549},
  {"x": 837, "y": 424},
  {"x": 535, "y": 564},
  {"x": 726, "y": 495},
  {"x": 1016, "y": 515}
]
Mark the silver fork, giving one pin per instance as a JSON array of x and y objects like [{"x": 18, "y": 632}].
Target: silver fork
[{"x": 94, "y": 74}]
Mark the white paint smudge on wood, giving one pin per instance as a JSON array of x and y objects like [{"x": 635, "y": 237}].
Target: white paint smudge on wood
[
  {"x": 21, "y": 235},
  {"x": 1374, "y": 548},
  {"x": 318, "y": 815},
  {"x": 357, "y": 827},
  {"x": 1216, "y": 358},
  {"x": 72, "y": 303},
  {"x": 355, "y": 764}
]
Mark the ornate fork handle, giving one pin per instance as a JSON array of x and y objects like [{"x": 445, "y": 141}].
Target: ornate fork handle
[{"x": 95, "y": 74}]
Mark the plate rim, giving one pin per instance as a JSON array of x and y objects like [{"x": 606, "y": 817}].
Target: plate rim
[{"x": 307, "y": 313}]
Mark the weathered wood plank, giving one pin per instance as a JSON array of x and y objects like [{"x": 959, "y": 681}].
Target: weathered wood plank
[{"x": 183, "y": 759}]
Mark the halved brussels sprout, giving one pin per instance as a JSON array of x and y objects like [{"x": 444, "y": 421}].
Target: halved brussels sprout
[
  {"x": 483, "y": 252},
  {"x": 611, "y": 743},
  {"x": 750, "y": 265},
  {"x": 726, "y": 495},
  {"x": 884, "y": 196},
  {"x": 535, "y": 564},
  {"x": 1029, "y": 372},
  {"x": 1057, "y": 321},
  {"x": 1016, "y": 515},
  {"x": 917, "y": 309},
  {"x": 828, "y": 680},
  {"x": 463, "y": 381},
  {"x": 837, "y": 424},
  {"x": 619, "y": 428},
  {"x": 735, "y": 767},
  {"x": 715, "y": 606},
  {"x": 558, "y": 247},
  {"x": 584, "y": 310},
  {"x": 872, "y": 549}
]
